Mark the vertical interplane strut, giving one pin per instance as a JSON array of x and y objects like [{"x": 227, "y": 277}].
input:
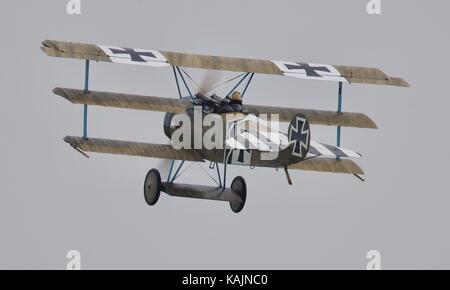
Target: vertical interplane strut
[
  {"x": 339, "y": 112},
  {"x": 85, "y": 107}
]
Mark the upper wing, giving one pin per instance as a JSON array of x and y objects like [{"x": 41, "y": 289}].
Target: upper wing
[
  {"x": 340, "y": 73},
  {"x": 132, "y": 148},
  {"x": 325, "y": 164}
]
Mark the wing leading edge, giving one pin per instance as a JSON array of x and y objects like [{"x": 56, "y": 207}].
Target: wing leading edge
[
  {"x": 132, "y": 148},
  {"x": 126, "y": 101},
  {"x": 161, "y": 104},
  {"x": 156, "y": 58}
]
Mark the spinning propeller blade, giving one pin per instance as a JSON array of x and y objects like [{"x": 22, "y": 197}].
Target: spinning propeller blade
[{"x": 210, "y": 80}]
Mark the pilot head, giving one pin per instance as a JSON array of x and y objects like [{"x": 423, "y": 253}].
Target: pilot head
[{"x": 236, "y": 97}]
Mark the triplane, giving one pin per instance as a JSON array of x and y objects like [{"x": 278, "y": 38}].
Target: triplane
[{"x": 293, "y": 149}]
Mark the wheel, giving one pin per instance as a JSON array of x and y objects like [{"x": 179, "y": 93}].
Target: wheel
[
  {"x": 152, "y": 186},
  {"x": 238, "y": 186}
]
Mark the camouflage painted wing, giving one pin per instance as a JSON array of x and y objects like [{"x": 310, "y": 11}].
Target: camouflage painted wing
[
  {"x": 318, "y": 117},
  {"x": 326, "y": 164},
  {"x": 161, "y": 104},
  {"x": 126, "y": 101},
  {"x": 156, "y": 58},
  {"x": 132, "y": 148}
]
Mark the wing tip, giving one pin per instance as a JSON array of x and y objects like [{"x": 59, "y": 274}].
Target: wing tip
[
  {"x": 62, "y": 93},
  {"x": 358, "y": 169},
  {"x": 47, "y": 43},
  {"x": 370, "y": 123},
  {"x": 70, "y": 140},
  {"x": 398, "y": 82},
  {"x": 48, "y": 47}
]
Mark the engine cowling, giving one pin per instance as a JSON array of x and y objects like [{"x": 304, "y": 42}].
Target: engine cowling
[{"x": 167, "y": 124}]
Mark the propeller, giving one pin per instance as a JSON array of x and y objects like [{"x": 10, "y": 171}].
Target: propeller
[{"x": 210, "y": 81}]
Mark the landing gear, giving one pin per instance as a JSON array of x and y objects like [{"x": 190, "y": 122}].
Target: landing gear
[
  {"x": 235, "y": 195},
  {"x": 152, "y": 186},
  {"x": 239, "y": 187}
]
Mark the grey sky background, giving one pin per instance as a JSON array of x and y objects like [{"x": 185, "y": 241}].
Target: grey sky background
[{"x": 53, "y": 200}]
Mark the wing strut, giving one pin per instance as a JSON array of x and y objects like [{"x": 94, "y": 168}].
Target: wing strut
[
  {"x": 184, "y": 82},
  {"x": 86, "y": 90},
  {"x": 248, "y": 83},
  {"x": 177, "y": 171},
  {"x": 339, "y": 111},
  {"x": 240, "y": 81},
  {"x": 338, "y": 133},
  {"x": 237, "y": 85},
  {"x": 176, "y": 80}
]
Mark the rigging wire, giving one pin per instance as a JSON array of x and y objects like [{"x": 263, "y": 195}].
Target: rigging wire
[
  {"x": 225, "y": 82},
  {"x": 179, "y": 174},
  {"x": 213, "y": 87},
  {"x": 191, "y": 79},
  {"x": 204, "y": 170}
]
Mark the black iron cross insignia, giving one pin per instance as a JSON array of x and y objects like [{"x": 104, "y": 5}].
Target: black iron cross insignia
[
  {"x": 135, "y": 56},
  {"x": 300, "y": 136},
  {"x": 311, "y": 71}
]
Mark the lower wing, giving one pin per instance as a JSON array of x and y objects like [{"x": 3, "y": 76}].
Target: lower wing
[
  {"x": 132, "y": 148},
  {"x": 326, "y": 164}
]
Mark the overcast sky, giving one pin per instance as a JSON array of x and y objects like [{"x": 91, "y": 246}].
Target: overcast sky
[{"x": 54, "y": 200}]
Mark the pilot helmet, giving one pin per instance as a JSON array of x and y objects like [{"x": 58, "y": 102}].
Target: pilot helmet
[{"x": 236, "y": 96}]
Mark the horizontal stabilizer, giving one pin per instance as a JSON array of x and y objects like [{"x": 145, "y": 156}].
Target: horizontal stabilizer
[
  {"x": 325, "y": 150},
  {"x": 127, "y": 101},
  {"x": 325, "y": 164},
  {"x": 132, "y": 148}
]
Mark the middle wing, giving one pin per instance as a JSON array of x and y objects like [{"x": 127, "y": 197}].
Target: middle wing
[
  {"x": 320, "y": 117},
  {"x": 160, "y": 104}
]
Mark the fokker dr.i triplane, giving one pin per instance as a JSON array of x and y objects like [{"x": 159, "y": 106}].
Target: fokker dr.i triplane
[{"x": 249, "y": 138}]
